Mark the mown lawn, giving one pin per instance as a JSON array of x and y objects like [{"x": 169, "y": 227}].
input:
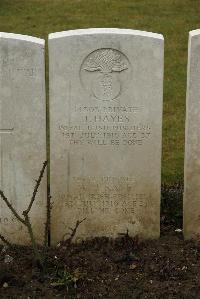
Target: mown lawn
[{"x": 173, "y": 18}]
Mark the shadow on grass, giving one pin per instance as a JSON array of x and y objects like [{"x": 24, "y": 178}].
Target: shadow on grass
[{"x": 172, "y": 205}]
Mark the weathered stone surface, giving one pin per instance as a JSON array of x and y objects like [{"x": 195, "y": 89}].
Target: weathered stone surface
[
  {"x": 106, "y": 91},
  {"x": 192, "y": 141},
  {"x": 22, "y": 132}
]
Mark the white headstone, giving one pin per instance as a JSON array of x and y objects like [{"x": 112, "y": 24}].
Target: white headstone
[
  {"x": 22, "y": 132},
  {"x": 106, "y": 94},
  {"x": 192, "y": 141}
]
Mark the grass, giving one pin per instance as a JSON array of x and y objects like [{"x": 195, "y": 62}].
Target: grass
[{"x": 173, "y": 18}]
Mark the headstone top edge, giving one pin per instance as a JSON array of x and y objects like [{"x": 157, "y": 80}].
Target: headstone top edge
[
  {"x": 90, "y": 31},
  {"x": 194, "y": 32},
  {"x": 22, "y": 37}
]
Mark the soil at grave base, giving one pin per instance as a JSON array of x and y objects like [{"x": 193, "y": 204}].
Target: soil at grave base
[
  {"x": 102, "y": 268},
  {"x": 166, "y": 268}
]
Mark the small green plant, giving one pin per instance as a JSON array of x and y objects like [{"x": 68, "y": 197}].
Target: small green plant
[{"x": 65, "y": 279}]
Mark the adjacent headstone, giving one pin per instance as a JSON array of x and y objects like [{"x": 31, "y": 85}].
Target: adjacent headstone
[
  {"x": 22, "y": 133},
  {"x": 192, "y": 141},
  {"x": 106, "y": 94}
]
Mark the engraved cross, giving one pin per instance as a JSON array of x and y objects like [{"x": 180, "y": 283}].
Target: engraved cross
[
  {"x": 6, "y": 131},
  {"x": 3, "y": 131}
]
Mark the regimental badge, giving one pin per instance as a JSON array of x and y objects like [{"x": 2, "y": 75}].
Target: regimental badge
[{"x": 103, "y": 73}]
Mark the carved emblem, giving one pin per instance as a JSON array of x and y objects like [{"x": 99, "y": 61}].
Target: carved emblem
[{"x": 101, "y": 73}]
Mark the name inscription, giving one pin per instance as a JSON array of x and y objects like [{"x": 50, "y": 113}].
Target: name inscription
[
  {"x": 90, "y": 195},
  {"x": 102, "y": 125}
]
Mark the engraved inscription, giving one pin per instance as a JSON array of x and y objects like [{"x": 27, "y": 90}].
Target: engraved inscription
[
  {"x": 10, "y": 223},
  {"x": 12, "y": 66},
  {"x": 104, "y": 72},
  {"x": 106, "y": 135},
  {"x": 106, "y": 194},
  {"x": 106, "y": 126}
]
